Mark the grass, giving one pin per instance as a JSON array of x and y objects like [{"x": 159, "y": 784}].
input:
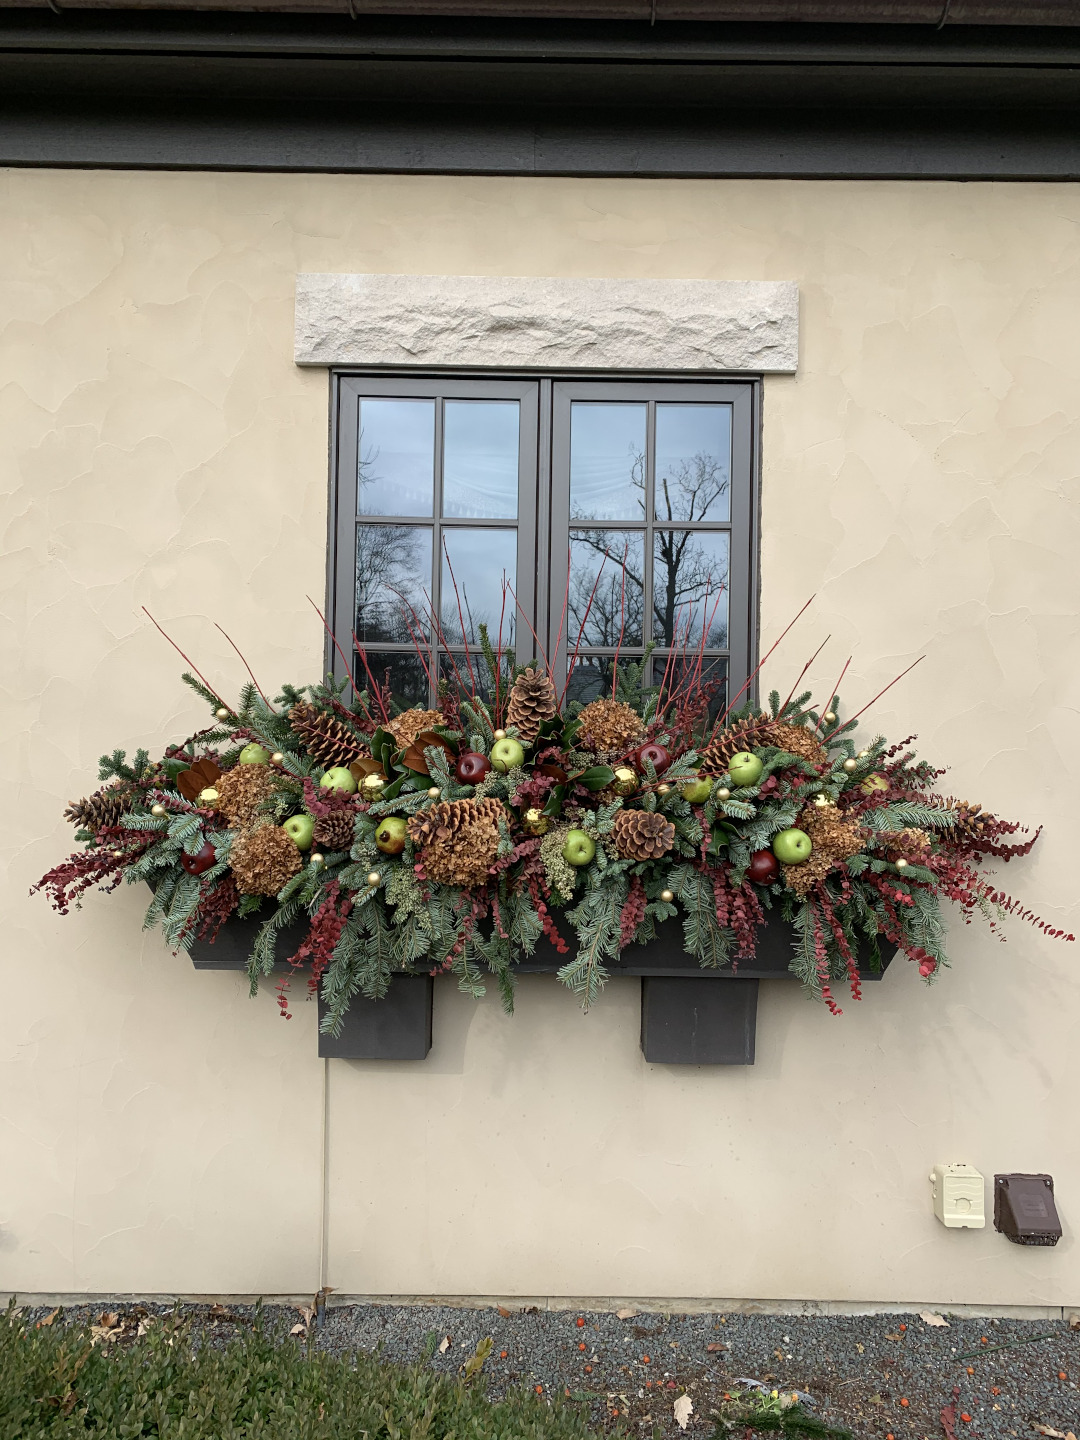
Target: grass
[{"x": 59, "y": 1381}]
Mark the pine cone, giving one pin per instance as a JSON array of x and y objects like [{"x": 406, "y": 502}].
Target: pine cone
[
  {"x": 458, "y": 840},
  {"x": 743, "y": 735},
  {"x": 263, "y": 860},
  {"x": 642, "y": 834},
  {"x": 325, "y": 736},
  {"x": 532, "y": 701},
  {"x": 240, "y": 793},
  {"x": 335, "y": 831},
  {"x": 608, "y": 725},
  {"x": 406, "y": 726},
  {"x": 104, "y": 807}
]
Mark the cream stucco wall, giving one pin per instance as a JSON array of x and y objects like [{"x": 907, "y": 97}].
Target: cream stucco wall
[{"x": 160, "y": 1132}]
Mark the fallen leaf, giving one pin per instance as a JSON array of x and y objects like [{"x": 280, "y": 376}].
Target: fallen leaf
[
  {"x": 859, "y": 1348},
  {"x": 503, "y": 1311},
  {"x": 1046, "y": 1430},
  {"x": 298, "y": 1330},
  {"x": 109, "y": 1319},
  {"x": 444, "y": 1345},
  {"x": 876, "y": 1400},
  {"x": 627, "y": 1314},
  {"x": 929, "y": 1318},
  {"x": 895, "y": 1336},
  {"x": 50, "y": 1317},
  {"x": 714, "y": 1346},
  {"x": 682, "y": 1410}
]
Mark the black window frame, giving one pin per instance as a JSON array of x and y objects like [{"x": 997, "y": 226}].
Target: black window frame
[{"x": 543, "y": 520}]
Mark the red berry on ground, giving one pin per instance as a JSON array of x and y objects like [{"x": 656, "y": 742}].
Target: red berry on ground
[{"x": 580, "y": 1322}]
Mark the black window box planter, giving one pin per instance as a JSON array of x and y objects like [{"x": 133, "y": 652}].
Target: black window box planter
[{"x": 687, "y": 1016}]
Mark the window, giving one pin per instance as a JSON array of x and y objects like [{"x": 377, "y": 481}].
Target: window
[{"x": 620, "y": 513}]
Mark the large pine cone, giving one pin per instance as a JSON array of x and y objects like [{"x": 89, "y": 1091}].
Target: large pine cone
[
  {"x": 335, "y": 831},
  {"x": 325, "y": 736},
  {"x": 458, "y": 840},
  {"x": 609, "y": 725},
  {"x": 408, "y": 725},
  {"x": 642, "y": 834},
  {"x": 263, "y": 860},
  {"x": 532, "y": 701},
  {"x": 743, "y": 735},
  {"x": 104, "y": 807}
]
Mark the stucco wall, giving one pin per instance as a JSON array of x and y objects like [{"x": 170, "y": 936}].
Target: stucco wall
[{"x": 161, "y": 1132}]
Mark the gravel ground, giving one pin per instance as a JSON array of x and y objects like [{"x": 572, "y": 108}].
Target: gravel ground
[{"x": 885, "y": 1377}]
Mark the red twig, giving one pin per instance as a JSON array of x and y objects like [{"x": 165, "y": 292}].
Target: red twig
[
  {"x": 539, "y": 648},
  {"x": 761, "y": 662},
  {"x": 334, "y": 641},
  {"x": 247, "y": 667},
  {"x": 183, "y": 657},
  {"x": 878, "y": 696},
  {"x": 461, "y": 620},
  {"x": 833, "y": 694},
  {"x": 622, "y": 622},
  {"x": 560, "y": 635},
  {"x": 376, "y": 690},
  {"x": 440, "y": 636},
  {"x": 803, "y": 671},
  {"x": 581, "y": 629}
]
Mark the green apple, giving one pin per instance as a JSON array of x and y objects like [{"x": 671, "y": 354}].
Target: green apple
[
  {"x": 578, "y": 848},
  {"x": 338, "y": 778},
  {"x": 745, "y": 768},
  {"x": 874, "y": 782},
  {"x": 299, "y": 829},
  {"x": 254, "y": 754},
  {"x": 390, "y": 836},
  {"x": 697, "y": 791},
  {"x": 792, "y": 847},
  {"x": 507, "y": 754}
]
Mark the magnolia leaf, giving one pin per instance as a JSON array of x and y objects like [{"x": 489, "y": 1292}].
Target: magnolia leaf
[
  {"x": 929, "y": 1318},
  {"x": 597, "y": 777},
  {"x": 627, "y": 1314},
  {"x": 682, "y": 1410},
  {"x": 444, "y": 1345}
]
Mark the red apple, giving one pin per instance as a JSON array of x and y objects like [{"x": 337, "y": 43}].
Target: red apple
[
  {"x": 656, "y": 755},
  {"x": 471, "y": 768},
  {"x": 201, "y": 862},
  {"x": 763, "y": 868}
]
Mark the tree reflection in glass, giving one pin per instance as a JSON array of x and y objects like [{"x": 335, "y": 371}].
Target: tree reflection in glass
[
  {"x": 478, "y": 561},
  {"x": 620, "y": 589},
  {"x": 607, "y": 461},
  {"x": 693, "y": 462},
  {"x": 391, "y": 561},
  {"x": 690, "y": 573}
]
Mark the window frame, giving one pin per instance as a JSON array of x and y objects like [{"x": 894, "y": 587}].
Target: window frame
[{"x": 544, "y": 499}]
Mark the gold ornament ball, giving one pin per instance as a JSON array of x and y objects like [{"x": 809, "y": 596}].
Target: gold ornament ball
[
  {"x": 663, "y": 789},
  {"x": 433, "y": 792},
  {"x": 667, "y": 896},
  {"x": 222, "y": 714},
  {"x": 625, "y": 780},
  {"x": 850, "y": 765},
  {"x": 822, "y": 802},
  {"x": 829, "y": 717},
  {"x": 901, "y": 864},
  {"x": 208, "y": 796},
  {"x": 157, "y": 809},
  {"x": 373, "y": 783},
  {"x": 863, "y": 754},
  {"x": 500, "y": 734},
  {"x": 723, "y": 794},
  {"x": 374, "y": 878},
  {"x": 277, "y": 757},
  {"x": 535, "y": 822},
  {"x": 316, "y": 858},
  {"x": 118, "y": 854}
]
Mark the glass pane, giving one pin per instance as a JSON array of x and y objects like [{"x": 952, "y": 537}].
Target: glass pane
[
  {"x": 693, "y": 462},
  {"x": 479, "y": 561},
  {"x": 690, "y": 572},
  {"x": 480, "y": 459},
  {"x": 607, "y": 461},
  {"x": 617, "y": 607},
  {"x": 455, "y": 671},
  {"x": 400, "y": 671},
  {"x": 396, "y": 457},
  {"x": 393, "y": 565},
  {"x": 711, "y": 691}
]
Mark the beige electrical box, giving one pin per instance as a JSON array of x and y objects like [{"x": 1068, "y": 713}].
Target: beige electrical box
[{"x": 958, "y": 1196}]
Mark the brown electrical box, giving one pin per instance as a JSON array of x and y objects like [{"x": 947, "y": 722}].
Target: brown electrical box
[{"x": 1024, "y": 1209}]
